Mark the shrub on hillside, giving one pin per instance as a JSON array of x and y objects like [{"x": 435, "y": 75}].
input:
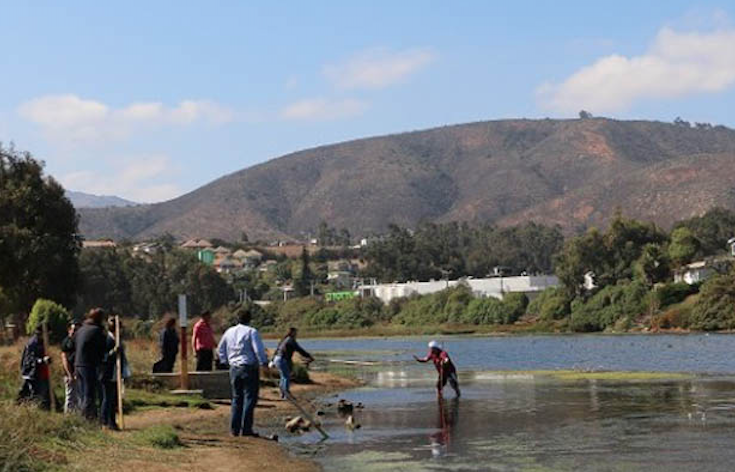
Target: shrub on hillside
[
  {"x": 715, "y": 308},
  {"x": 551, "y": 304},
  {"x": 670, "y": 294},
  {"x": 609, "y": 306},
  {"x": 55, "y": 315}
]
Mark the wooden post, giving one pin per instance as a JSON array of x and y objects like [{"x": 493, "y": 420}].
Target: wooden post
[
  {"x": 119, "y": 374},
  {"x": 184, "y": 341},
  {"x": 184, "y": 360},
  {"x": 46, "y": 350}
]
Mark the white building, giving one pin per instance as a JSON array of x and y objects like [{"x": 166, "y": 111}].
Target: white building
[{"x": 490, "y": 287}]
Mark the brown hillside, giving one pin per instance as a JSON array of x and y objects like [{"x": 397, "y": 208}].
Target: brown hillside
[{"x": 571, "y": 172}]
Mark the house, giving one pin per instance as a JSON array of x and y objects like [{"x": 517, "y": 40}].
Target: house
[
  {"x": 731, "y": 243},
  {"x": 206, "y": 256},
  {"x": 102, "y": 243},
  {"x": 699, "y": 271},
  {"x": 227, "y": 265},
  {"x": 340, "y": 278},
  {"x": 222, "y": 251},
  {"x": 197, "y": 244},
  {"x": 495, "y": 287},
  {"x": 147, "y": 249}
]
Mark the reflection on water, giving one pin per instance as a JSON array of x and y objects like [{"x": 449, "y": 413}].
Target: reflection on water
[
  {"x": 543, "y": 424},
  {"x": 508, "y": 421}
]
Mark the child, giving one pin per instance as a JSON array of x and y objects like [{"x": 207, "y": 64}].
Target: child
[{"x": 444, "y": 367}]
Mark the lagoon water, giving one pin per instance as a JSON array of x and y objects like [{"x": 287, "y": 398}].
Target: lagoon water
[{"x": 513, "y": 416}]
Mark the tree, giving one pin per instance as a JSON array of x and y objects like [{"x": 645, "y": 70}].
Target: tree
[
  {"x": 55, "y": 315},
  {"x": 585, "y": 115},
  {"x": 653, "y": 265},
  {"x": 39, "y": 242},
  {"x": 683, "y": 246},
  {"x": 302, "y": 285}
]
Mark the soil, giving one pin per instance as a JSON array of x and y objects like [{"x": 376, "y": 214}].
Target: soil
[{"x": 207, "y": 443}]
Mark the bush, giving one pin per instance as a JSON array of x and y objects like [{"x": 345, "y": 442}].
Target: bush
[
  {"x": 485, "y": 311},
  {"x": 551, "y": 304},
  {"x": 436, "y": 308},
  {"x": 52, "y": 313},
  {"x": 515, "y": 304},
  {"x": 670, "y": 294},
  {"x": 608, "y": 306},
  {"x": 715, "y": 308}
]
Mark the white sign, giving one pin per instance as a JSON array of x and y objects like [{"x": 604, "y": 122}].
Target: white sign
[{"x": 183, "y": 320}]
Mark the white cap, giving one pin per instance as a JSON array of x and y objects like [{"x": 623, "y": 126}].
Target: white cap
[{"x": 433, "y": 344}]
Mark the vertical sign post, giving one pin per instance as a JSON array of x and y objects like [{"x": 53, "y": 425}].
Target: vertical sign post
[{"x": 183, "y": 323}]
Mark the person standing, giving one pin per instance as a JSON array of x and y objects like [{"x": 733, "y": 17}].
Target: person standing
[
  {"x": 35, "y": 372},
  {"x": 90, "y": 343},
  {"x": 444, "y": 366},
  {"x": 68, "y": 351},
  {"x": 283, "y": 360},
  {"x": 168, "y": 341},
  {"x": 242, "y": 347},
  {"x": 202, "y": 342},
  {"x": 108, "y": 377}
]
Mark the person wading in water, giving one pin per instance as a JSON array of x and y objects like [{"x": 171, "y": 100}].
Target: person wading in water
[{"x": 444, "y": 366}]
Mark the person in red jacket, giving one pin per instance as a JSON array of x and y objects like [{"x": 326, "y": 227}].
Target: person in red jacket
[{"x": 444, "y": 366}]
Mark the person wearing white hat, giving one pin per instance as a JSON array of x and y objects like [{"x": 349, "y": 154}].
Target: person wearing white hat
[{"x": 444, "y": 366}]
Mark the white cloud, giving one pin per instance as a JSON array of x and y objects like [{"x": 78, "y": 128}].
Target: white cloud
[
  {"x": 321, "y": 109},
  {"x": 140, "y": 178},
  {"x": 378, "y": 68},
  {"x": 677, "y": 64},
  {"x": 71, "y": 118}
]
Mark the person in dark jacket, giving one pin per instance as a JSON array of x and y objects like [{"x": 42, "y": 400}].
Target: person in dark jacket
[
  {"x": 283, "y": 360},
  {"x": 90, "y": 352},
  {"x": 35, "y": 372},
  {"x": 108, "y": 377},
  {"x": 169, "y": 343}
]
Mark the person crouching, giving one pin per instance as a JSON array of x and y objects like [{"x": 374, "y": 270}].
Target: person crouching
[{"x": 444, "y": 366}]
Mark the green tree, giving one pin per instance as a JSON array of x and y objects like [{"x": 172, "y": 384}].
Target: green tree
[
  {"x": 55, "y": 315},
  {"x": 683, "y": 247},
  {"x": 653, "y": 265},
  {"x": 39, "y": 240},
  {"x": 302, "y": 285}
]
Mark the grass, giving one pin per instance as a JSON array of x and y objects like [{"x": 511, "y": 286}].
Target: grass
[
  {"x": 159, "y": 436},
  {"x": 29, "y": 437}
]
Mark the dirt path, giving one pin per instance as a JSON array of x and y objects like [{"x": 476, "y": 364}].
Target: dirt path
[{"x": 208, "y": 445}]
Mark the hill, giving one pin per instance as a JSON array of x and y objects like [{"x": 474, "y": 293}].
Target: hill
[
  {"x": 571, "y": 172},
  {"x": 87, "y": 200}
]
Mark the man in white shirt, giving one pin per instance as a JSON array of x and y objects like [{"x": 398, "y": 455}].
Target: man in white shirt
[{"x": 242, "y": 348}]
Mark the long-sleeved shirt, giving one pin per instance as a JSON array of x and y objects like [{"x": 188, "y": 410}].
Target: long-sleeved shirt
[
  {"x": 90, "y": 344},
  {"x": 203, "y": 337},
  {"x": 441, "y": 361},
  {"x": 241, "y": 345},
  {"x": 287, "y": 347}
]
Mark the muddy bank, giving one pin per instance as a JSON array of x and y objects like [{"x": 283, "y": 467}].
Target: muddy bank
[{"x": 207, "y": 444}]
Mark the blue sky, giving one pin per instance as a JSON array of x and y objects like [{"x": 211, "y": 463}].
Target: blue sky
[{"x": 149, "y": 100}]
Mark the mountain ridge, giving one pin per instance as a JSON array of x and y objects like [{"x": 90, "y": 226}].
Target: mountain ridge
[{"x": 502, "y": 171}]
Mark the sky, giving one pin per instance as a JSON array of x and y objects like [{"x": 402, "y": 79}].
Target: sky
[{"x": 150, "y": 100}]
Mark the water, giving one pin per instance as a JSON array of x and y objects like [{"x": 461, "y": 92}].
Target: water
[{"x": 512, "y": 417}]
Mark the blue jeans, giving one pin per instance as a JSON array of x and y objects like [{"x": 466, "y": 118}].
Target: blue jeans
[
  {"x": 88, "y": 384},
  {"x": 245, "y": 384},
  {"x": 285, "y": 384}
]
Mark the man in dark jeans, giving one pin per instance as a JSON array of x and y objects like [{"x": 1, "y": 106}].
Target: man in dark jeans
[
  {"x": 242, "y": 347},
  {"x": 90, "y": 344}
]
